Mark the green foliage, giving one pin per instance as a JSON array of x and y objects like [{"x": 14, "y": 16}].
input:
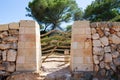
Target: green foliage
[
  {"x": 103, "y": 10},
  {"x": 51, "y": 13},
  {"x": 68, "y": 28}
]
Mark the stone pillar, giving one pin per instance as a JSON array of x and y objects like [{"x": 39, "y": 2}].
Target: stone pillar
[
  {"x": 29, "y": 50},
  {"x": 81, "y": 47}
]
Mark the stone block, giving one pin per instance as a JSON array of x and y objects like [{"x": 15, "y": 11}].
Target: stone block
[
  {"x": 88, "y": 30},
  {"x": 78, "y": 52},
  {"x": 13, "y": 32},
  {"x": 4, "y": 27},
  {"x": 29, "y": 49},
  {"x": 4, "y": 46},
  {"x": 27, "y": 23},
  {"x": 11, "y": 39},
  {"x": 107, "y": 49},
  {"x": 82, "y": 67},
  {"x": 4, "y": 55},
  {"x": 88, "y": 60},
  {"x": 115, "y": 54},
  {"x": 98, "y": 51},
  {"x": 115, "y": 39},
  {"x": 108, "y": 57},
  {"x": 96, "y": 59},
  {"x": 10, "y": 67},
  {"x": 78, "y": 60},
  {"x": 3, "y": 34},
  {"x": 14, "y": 25},
  {"x": 29, "y": 30},
  {"x": 93, "y": 31},
  {"x": 27, "y": 37},
  {"x": 95, "y": 36},
  {"x": 97, "y": 43},
  {"x": 11, "y": 55},
  {"x": 104, "y": 41}
]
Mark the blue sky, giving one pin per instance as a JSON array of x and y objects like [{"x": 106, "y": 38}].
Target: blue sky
[{"x": 14, "y": 10}]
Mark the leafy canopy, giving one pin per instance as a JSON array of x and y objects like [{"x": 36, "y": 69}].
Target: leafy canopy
[
  {"x": 51, "y": 13},
  {"x": 103, "y": 10}
]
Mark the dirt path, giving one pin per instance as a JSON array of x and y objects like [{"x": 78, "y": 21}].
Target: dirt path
[{"x": 56, "y": 66}]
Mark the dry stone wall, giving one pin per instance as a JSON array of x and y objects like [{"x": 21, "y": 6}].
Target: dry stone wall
[
  {"x": 100, "y": 49},
  {"x": 106, "y": 47},
  {"x": 20, "y": 47},
  {"x": 8, "y": 47}
]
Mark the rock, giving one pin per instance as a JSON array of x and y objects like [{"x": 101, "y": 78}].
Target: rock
[
  {"x": 101, "y": 57},
  {"x": 108, "y": 57},
  {"x": 107, "y": 66},
  {"x": 11, "y": 39},
  {"x": 98, "y": 51},
  {"x": 113, "y": 67},
  {"x": 117, "y": 61},
  {"x": 10, "y": 67},
  {"x": 112, "y": 31},
  {"x": 113, "y": 47},
  {"x": 100, "y": 32},
  {"x": 13, "y": 32},
  {"x": 95, "y": 58},
  {"x": 14, "y": 45},
  {"x": 107, "y": 29},
  {"x": 102, "y": 72},
  {"x": 107, "y": 49},
  {"x": 95, "y": 36},
  {"x": 77, "y": 75},
  {"x": 115, "y": 54},
  {"x": 93, "y": 30},
  {"x": 4, "y": 55},
  {"x": 14, "y": 25},
  {"x": 23, "y": 76},
  {"x": 107, "y": 33},
  {"x": 96, "y": 68},
  {"x": 115, "y": 39},
  {"x": 4, "y": 46},
  {"x": 118, "y": 34},
  {"x": 2, "y": 67},
  {"x": 104, "y": 41},
  {"x": 11, "y": 55},
  {"x": 3, "y": 34},
  {"x": 118, "y": 48},
  {"x": 102, "y": 64},
  {"x": 96, "y": 43}
]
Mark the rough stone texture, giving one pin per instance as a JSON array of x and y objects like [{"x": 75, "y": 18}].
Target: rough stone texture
[
  {"x": 4, "y": 46},
  {"x": 10, "y": 67},
  {"x": 108, "y": 44},
  {"x": 104, "y": 41},
  {"x": 96, "y": 43},
  {"x": 4, "y": 55},
  {"x": 81, "y": 54},
  {"x": 95, "y": 58},
  {"x": 115, "y": 39},
  {"x": 14, "y": 26},
  {"x": 115, "y": 54},
  {"x": 108, "y": 57},
  {"x": 3, "y": 34},
  {"x": 11, "y": 55},
  {"x": 95, "y": 36},
  {"x": 3, "y": 27},
  {"x": 11, "y": 39},
  {"x": 29, "y": 54},
  {"x": 107, "y": 49}
]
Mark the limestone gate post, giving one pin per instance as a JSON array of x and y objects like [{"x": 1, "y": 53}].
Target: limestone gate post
[
  {"x": 29, "y": 50},
  {"x": 81, "y": 47}
]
